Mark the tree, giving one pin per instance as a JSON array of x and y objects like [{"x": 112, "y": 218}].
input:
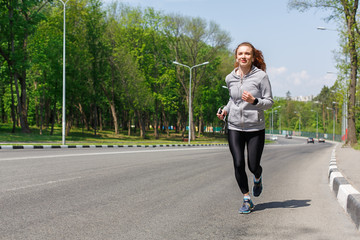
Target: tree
[
  {"x": 132, "y": 62},
  {"x": 18, "y": 20},
  {"x": 211, "y": 93},
  {"x": 119, "y": 66},
  {"x": 194, "y": 41},
  {"x": 346, "y": 11},
  {"x": 95, "y": 30},
  {"x": 157, "y": 69},
  {"x": 45, "y": 73}
]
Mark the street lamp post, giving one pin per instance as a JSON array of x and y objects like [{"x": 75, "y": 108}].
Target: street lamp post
[
  {"x": 317, "y": 121},
  {"x": 345, "y": 98},
  {"x": 190, "y": 69},
  {"x": 345, "y": 117},
  {"x": 279, "y": 122},
  {"x": 268, "y": 113},
  {"x": 334, "y": 119},
  {"x": 344, "y": 113},
  {"x": 63, "y": 103},
  {"x": 333, "y": 122},
  {"x": 272, "y": 119},
  {"x": 299, "y": 122}
]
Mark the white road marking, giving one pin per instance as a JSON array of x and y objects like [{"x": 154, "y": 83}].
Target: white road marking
[
  {"x": 106, "y": 153},
  {"x": 41, "y": 184}
]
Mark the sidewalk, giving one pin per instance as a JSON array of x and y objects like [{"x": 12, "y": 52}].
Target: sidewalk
[{"x": 344, "y": 178}]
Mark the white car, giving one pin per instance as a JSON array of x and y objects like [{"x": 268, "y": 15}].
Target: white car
[{"x": 273, "y": 138}]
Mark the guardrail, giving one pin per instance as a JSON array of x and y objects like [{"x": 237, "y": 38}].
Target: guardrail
[{"x": 326, "y": 136}]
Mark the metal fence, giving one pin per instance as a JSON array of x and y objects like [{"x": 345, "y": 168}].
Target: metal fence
[{"x": 326, "y": 136}]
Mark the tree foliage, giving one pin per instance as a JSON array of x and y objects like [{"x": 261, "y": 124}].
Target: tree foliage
[
  {"x": 119, "y": 70},
  {"x": 120, "y": 73},
  {"x": 346, "y": 13}
]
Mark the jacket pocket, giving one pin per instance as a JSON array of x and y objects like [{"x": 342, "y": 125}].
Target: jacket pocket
[
  {"x": 251, "y": 116},
  {"x": 234, "y": 115}
]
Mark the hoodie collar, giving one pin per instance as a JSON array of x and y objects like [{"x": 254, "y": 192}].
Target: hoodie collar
[{"x": 253, "y": 70}]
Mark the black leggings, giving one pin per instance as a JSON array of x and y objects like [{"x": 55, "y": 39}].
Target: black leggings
[{"x": 255, "y": 144}]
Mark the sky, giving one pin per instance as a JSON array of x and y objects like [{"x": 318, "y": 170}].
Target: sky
[{"x": 298, "y": 56}]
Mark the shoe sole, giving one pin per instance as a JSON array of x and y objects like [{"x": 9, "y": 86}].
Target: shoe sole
[{"x": 247, "y": 212}]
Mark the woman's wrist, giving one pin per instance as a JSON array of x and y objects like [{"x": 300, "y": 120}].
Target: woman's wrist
[{"x": 255, "y": 101}]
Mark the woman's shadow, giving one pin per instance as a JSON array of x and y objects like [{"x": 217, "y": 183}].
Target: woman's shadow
[{"x": 284, "y": 204}]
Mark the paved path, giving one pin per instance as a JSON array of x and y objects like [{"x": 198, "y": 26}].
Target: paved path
[
  {"x": 166, "y": 193},
  {"x": 344, "y": 177}
]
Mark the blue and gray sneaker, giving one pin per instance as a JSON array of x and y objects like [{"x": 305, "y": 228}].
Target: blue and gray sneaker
[
  {"x": 257, "y": 188},
  {"x": 247, "y": 206}
]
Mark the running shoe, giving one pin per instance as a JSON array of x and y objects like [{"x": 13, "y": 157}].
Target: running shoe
[
  {"x": 257, "y": 188},
  {"x": 247, "y": 206}
]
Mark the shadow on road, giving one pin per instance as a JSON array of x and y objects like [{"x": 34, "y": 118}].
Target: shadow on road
[{"x": 284, "y": 204}]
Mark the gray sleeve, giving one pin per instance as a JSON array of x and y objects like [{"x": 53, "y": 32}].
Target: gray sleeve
[
  {"x": 266, "y": 101},
  {"x": 227, "y": 107}
]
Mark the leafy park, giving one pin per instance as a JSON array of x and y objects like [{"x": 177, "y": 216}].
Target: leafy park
[{"x": 122, "y": 85}]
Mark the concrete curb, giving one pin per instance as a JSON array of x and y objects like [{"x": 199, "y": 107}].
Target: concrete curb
[
  {"x": 347, "y": 196},
  {"x": 102, "y": 146}
]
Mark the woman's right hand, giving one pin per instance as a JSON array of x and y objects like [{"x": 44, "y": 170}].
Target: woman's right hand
[{"x": 222, "y": 115}]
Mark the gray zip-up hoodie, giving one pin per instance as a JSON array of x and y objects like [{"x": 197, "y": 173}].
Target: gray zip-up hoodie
[{"x": 244, "y": 116}]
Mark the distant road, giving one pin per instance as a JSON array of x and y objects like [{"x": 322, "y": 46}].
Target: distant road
[{"x": 167, "y": 193}]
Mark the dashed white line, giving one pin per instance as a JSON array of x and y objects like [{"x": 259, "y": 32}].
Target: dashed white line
[
  {"x": 105, "y": 153},
  {"x": 41, "y": 184}
]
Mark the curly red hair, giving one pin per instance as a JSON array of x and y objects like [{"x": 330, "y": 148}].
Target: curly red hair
[{"x": 259, "y": 61}]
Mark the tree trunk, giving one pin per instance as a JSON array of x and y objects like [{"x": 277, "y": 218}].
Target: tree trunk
[
  {"x": 115, "y": 119},
  {"x": 69, "y": 122},
  {"x": 53, "y": 112},
  {"x": 200, "y": 127},
  {"x": 156, "y": 120},
  {"x": 141, "y": 124},
  {"x": 192, "y": 112},
  {"x": 166, "y": 124},
  {"x": 112, "y": 108},
  {"x": 41, "y": 113},
  {"x": 100, "y": 121},
  {"x": 192, "y": 126},
  {"x": 95, "y": 118},
  {"x": 22, "y": 107},
  {"x": 53, "y": 115},
  {"x": 83, "y": 116},
  {"x": 2, "y": 104},
  {"x": 350, "y": 16},
  {"x": 129, "y": 126},
  {"x": 13, "y": 113},
  {"x": 68, "y": 125}
]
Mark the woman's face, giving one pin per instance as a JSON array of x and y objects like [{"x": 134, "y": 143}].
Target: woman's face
[{"x": 244, "y": 56}]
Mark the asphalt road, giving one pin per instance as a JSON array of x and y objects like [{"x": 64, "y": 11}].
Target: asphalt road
[{"x": 167, "y": 193}]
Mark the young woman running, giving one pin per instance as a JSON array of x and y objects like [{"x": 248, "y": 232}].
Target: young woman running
[{"x": 250, "y": 94}]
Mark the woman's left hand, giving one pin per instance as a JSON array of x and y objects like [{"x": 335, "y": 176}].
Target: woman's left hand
[{"x": 246, "y": 96}]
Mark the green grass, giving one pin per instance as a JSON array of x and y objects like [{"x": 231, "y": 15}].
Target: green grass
[
  {"x": 80, "y": 136},
  {"x": 357, "y": 146}
]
